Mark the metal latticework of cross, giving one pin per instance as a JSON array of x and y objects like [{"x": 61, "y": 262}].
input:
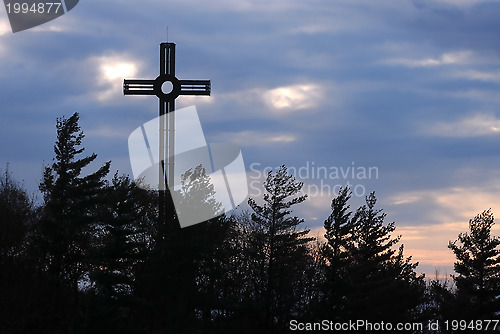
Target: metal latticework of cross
[{"x": 167, "y": 88}]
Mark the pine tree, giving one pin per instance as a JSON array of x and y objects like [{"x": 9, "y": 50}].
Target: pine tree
[
  {"x": 284, "y": 246},
  {"x": 478, "y": 269},
  {"x": 339, "y": 235},
  {"x": 366, "y": 275},
  {"x": 380, "y": 274},
  {"x": 70, "y": 206}
]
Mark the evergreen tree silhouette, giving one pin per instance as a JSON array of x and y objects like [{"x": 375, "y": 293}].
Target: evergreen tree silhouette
[
  {"x": 68, "y": 217},
  {"x": 380, "y": 274},
  {"x": 478, "y": 269},
  {"x": 282, "y": 249},
  {"x": 339, "y": 235},
  {"x": 70, "y": 204},
  {"x": 371, "y": 279}
]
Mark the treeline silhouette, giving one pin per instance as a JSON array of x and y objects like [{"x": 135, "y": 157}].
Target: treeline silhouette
[{"x": 94, "y": 258}]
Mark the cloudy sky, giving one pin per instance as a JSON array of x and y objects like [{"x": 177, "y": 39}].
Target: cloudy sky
[{"x": 406, "y": 88}]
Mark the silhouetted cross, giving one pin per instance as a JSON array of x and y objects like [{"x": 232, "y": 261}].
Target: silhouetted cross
[{"x": 167, "y": 88}]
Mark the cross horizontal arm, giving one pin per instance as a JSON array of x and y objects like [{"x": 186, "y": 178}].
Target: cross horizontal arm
[
  {"x": 195, "y": 87},
  {"x": 138, "y": 87}
]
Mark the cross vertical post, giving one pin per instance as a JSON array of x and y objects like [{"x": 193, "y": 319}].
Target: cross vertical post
[{"x": 167, "y": 88}]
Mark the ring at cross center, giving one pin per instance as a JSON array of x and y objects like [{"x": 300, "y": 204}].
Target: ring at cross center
[{"x": 167, "y": 87}]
